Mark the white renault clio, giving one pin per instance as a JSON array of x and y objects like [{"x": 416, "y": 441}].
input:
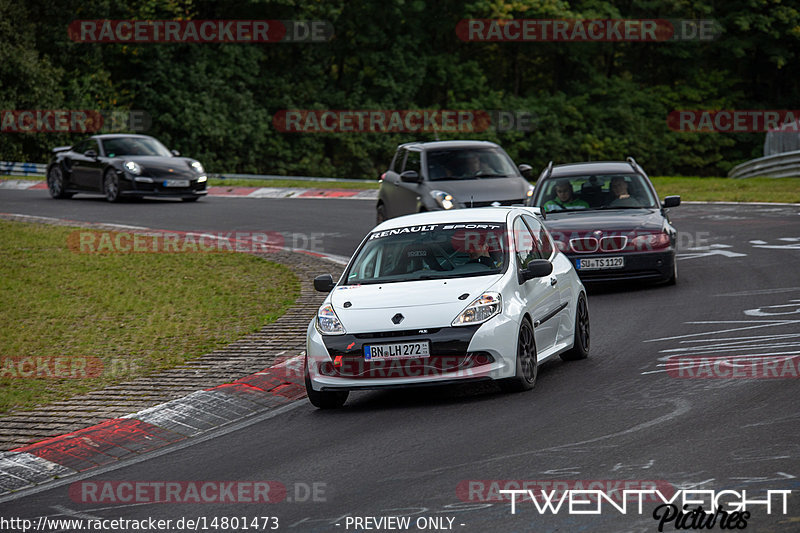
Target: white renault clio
[{"x": 446, "y": 296}]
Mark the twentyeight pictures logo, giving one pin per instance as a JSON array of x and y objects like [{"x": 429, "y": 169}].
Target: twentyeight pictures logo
[{"x": 200, "y": 31}]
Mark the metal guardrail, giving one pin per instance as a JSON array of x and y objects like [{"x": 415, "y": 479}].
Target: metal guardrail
[
  {"x": 10, "y": 168},
  {"x": 785, "y": 165}
]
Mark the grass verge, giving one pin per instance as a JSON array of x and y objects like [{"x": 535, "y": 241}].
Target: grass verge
[
  {"x": 134, "y": 313},
  {"x": 690, "y": 188},
  {"x": 781, "y": 190}
]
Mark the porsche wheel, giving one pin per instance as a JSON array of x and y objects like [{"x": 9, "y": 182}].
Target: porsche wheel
[{"x": 55, "y": 183}]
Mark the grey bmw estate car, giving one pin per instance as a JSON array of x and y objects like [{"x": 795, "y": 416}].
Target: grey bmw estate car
[{"x": 444, "y": 175}]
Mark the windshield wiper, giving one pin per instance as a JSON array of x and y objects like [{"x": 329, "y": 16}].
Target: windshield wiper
[{"x": 622, "y": 207}]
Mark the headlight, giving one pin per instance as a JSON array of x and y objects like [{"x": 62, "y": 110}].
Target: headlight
[
  {"x": 650, "y": 241},
  {"x": 530, "y": 191},
  {"x": 327, "y": 321},
  {"x": 480, "y": 310},
  {"x": 201, "y": 179},
  {"x": 133, "y": 167},
  {"x": 197, "y": 167},
  {"x": 445, "y": 200}
]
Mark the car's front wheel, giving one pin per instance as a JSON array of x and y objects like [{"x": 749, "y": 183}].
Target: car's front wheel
[
  {"x": 673, "y": 280},
  {"x": 55, "y": 183},
  {"x": 325, "y": 399},
  {"x": 380, "y": 214},
  {"x": 580, "y": 349},
  {"x": 527, "y": 362},
  {"x": 111, "y": 186}
]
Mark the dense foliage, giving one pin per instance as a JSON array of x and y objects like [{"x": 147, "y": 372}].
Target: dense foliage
[{"x": 591, "y": 100}]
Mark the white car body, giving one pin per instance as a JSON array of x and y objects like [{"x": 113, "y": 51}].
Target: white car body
[{"x": 366, "y": 311}]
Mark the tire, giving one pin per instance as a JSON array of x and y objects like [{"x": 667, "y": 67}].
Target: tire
[
  {"x": 673, "y": 280},
  {"x": 190, "y": 199},
  {"x": 527, "y": 365},
  {"x": 380, "y": 214},
  {"x": 111, "y": 186},
  {"x": 325, "y": 399},
  {"x": 55, "y": 183},
  {"x": 580, "y": 349}
]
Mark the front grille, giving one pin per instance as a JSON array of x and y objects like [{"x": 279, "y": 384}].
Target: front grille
[
  {"x": 489, "y": 204},
  {"x": 399, "y": 333},
  {"x": 584, "y": 245},
  {"x": 614, "y": 243}
]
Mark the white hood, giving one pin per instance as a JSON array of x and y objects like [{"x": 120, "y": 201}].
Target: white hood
[{"x": 423, "y": 304}]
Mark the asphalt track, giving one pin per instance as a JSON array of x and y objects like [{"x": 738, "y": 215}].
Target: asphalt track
[{"x": 619, "y": 415}]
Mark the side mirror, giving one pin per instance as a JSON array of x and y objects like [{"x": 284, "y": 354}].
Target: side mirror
[
  {"x": 90, "y": 153},
  {"x": 525, "y": 170},
  {"x": 175, "y": 153},
  {"x": 410, "y": 176},
  {"x": 324, "y": 283},
  {"x": 671, "y": 201},
  {"x": 538, "y": 268}
]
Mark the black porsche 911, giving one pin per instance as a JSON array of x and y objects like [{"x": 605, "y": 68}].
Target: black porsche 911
[
  {"x": 124, "y": 165},
  {"x": 606, "y": 217}
]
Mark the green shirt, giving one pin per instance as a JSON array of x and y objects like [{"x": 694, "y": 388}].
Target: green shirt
[{"x": 557, "y": 205}]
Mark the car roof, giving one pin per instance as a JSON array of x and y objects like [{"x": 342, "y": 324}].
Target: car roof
[
  {"x": 105, "y": 136},
  {"x": 477, "y": 214},
  {"x": 593, "y": 167},
  {"x": 436, "y": 145}
]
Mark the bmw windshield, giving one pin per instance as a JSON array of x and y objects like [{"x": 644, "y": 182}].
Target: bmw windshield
[
  {"x": 430, "y": 251},
  {"x": 589, "y": 192}
]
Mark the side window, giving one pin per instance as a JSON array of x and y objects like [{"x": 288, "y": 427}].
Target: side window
[
  {"x": 82, "y": 146},
  {"x": 413, "y": 162},
  {"x": 527, "y": 246},
  {"x": 397, "y": 162},
  {"x": 540, "y": 233}
]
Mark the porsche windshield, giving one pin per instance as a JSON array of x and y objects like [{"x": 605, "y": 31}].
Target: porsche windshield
[
  {"x": 431, "y": 251},
  {"x": 134, "y": 146}
]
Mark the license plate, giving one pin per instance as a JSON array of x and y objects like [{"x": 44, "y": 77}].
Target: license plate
[
  {"x": 176, "y": 183},
  {"x": 399, "y": 350},
  {"x": 600, "y": 263}
]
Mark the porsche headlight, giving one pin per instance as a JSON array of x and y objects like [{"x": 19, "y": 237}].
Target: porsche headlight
[
  {"x": 480, "y": 310},
  {"x": 133, "y": 167},
  {"x": 197, "y": 167},
  {"x": 327, "y": 321},
  {"x": 445, "y": 200}
]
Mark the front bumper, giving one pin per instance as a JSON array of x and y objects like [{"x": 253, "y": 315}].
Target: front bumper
[
  {"x": 645, "y": 266},
  {"x": 458, "y": 354},
  {"x": 130, "y": 186}
]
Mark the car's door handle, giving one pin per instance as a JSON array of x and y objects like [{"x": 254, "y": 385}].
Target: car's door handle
[{"x": 553, "y": 281}]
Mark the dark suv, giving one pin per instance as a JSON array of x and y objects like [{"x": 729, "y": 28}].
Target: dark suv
[{"x": 450, "y": 175}]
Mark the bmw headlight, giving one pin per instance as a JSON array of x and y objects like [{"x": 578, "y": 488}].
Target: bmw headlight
[
  {"x": 480, "y": 310},
  {"x": 197, "y": 167},
  {"x": 133, "y": 167},
  {"x": 327, "y": 321},
  {"x": 445, "y": 200}
]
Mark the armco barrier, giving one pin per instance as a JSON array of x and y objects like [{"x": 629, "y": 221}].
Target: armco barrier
[
  {"x": 786, "y": 165},
  {"x": 22, "y": 169},
  {"x": 10, "y": 168}
]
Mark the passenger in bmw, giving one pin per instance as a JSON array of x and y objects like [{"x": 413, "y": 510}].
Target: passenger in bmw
[{"x": 565, "y": 198}]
